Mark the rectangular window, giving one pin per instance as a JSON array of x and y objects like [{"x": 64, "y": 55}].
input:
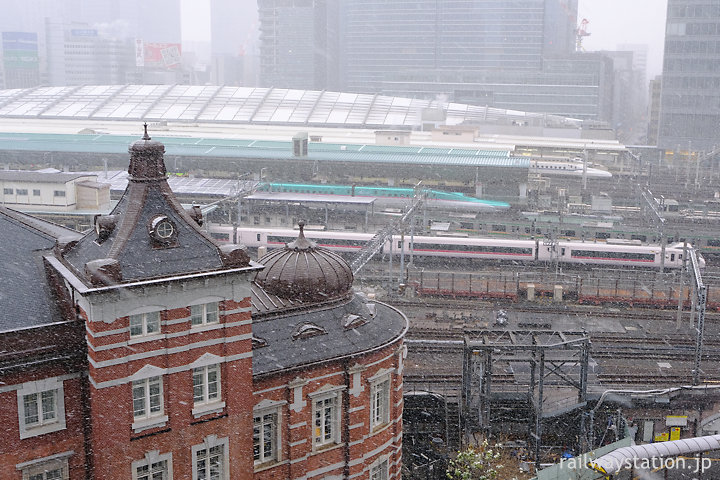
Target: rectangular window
[
  {"x": 55, "y": 469},
  {"x": 8, "y": 191},
  {"x": 36, "y": 192},
  {"x": 210, "y": 463},
  {"x": 206, "y": 384},
  {"x": 59, "y": 193},
  {"x": 147, "y": 398},
  {"x": 154, "y": 466},
  {"x": 204, "y": 314},
  {"x": 144, "y": 324},
  {"x": 265, "y": 441},
  {"x": 380, "y": 471},
  {"x": 325, "y": 426},
  {"x": 153, "y": 471},
  {"x": 22, "y": 191},
  {"x": 41, "y": 407},
  {"x": 380, "y": 403}
]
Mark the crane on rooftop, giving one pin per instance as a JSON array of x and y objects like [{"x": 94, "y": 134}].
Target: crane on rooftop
[{"x": 580, "y": 33}]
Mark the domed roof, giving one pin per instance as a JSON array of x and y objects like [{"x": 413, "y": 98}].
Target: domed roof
[{"x": 304, "y": 271}]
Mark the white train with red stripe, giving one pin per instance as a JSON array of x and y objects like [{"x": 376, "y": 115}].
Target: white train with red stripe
[{"x": 566, "y": 252}]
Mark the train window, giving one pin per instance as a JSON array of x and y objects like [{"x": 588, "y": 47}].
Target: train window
[
  {"x": 562, "y": 251},
  {"x": 602, "y": 235},
  {"x": 711, "y": 242},
  {"x": 477, "y": 249},
  {"x": 224, "y": 237},
  {"x": 257, "y": 237},
  {"x": 672, "y": 257},
  {"x": 499, "y": 228},
  {"x": 646, "y": 257},
  {"x": 642, "y": 238},
  {"x": 567, "y": 233},
  {"x": 527, "y": 230}
]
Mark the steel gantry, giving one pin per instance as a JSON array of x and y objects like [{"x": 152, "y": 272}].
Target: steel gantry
[
  {"x": 563, "y": 355},
  {"x": 700, "y": 300},
  {"x": 377, "y": 242}
]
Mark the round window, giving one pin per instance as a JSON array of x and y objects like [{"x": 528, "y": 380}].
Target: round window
[{"x": 162, "y": 229}]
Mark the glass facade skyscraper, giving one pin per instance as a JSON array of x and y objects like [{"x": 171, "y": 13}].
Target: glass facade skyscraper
[
  {"x": 690, "y": 99},
  {"x": 299, "y": 44},
  {"x": 513, "y": 54},
  {"x": 384, "y": 39}
]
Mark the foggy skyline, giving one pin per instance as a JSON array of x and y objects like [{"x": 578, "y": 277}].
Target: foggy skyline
[{"x": 612, "y": 22}]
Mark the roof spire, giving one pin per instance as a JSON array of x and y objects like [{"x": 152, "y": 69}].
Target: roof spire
[
  {"x": 301, "y": 243},
  {"x": 146, "y": 136}
]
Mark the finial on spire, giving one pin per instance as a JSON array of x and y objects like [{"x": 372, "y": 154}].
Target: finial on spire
[
  {"x": 301, "y": 226},
  {"x": 146, "y": 136},
  {"x": 301, "y": 243}
]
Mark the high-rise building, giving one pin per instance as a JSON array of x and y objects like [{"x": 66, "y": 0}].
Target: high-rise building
[
  {"x": 506, "y": 54},
  {"x": 233, "y": 43},
  {"x": 299, "y": 43},
  {"x": 384, "y": 40},
  {"x": 74, "y": 37},
  {"x": 20, "y": 64},
  {"x": 689, "y": 113}
]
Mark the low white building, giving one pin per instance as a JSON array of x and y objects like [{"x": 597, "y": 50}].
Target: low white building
[{"x": 48, "y": 192}]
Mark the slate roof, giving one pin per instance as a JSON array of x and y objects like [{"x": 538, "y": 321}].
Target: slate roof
[
  {"x": 137, "y": 257},
  {"x": 284, "y": 352},
  {"x": 25, "y": 297},
  {"x": 129, "y": 251}
]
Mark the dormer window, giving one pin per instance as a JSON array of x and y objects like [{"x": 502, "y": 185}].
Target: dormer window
[
  {"x": 162, "y": 231},
  {"x": 308, "y": 330}
]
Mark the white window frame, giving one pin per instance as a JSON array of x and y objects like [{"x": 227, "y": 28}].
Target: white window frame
[
  {"x": 143, "y": 323},
  {"x": 380, "y": 470},
  {"x": 211, "y": 441},
  {"x": 205, "y": 314},
  {"x": 207, "y": 404},
  {"x": 43, "y": 465},
  {"x": 380, "y": 402},
  {"x": 259, "y": 436},
  {"x": 320, "y": 439},
  {"x": 148, "y": 419},
  {"x": 153, "y": 458},
  {"x": 37, "y": 389}
]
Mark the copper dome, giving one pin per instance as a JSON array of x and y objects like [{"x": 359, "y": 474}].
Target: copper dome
[{"x": 304, "y": 271}]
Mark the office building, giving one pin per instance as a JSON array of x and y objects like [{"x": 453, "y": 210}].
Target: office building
[
  {"x": 299, "y": 44},
  {"x": 689, "y": 113},
  {"x": 383, "y": 40}
]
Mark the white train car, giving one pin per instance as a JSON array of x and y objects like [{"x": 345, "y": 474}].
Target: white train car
[
  {"x": 468, "y": 248},
  {"x": 498, "y": 249},
  {"x": 571, "y": 168}
]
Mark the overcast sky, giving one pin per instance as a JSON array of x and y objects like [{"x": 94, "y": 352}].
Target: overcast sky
[{"x": 612, "y": 22}]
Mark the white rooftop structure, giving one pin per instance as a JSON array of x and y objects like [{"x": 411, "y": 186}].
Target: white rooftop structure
[{"x": 223, "y": 104}]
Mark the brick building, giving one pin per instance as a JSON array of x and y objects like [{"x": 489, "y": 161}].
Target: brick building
[{"x": 142, "y": 350}]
